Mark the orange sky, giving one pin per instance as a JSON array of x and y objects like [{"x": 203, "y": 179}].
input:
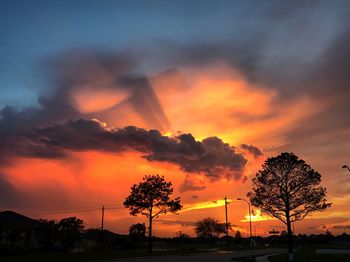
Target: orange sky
[{"x": 204, "y": 101}]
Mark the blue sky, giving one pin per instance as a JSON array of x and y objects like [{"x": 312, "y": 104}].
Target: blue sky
[{"x": 36, "y": 30}]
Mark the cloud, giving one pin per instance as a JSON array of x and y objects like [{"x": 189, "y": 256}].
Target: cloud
[
  {"x": 204, "y": 205},
  {"x": 252, "y": 149},
  {"x": 176, "y": 222},
  {"x": 341, "y": 227},
  {"x": 211, "y": 156},
  {"x": 192, "y": 184}
]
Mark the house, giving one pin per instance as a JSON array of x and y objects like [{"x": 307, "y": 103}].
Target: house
[{"x": 17, "y": 229}]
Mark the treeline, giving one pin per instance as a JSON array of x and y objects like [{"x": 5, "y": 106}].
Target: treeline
[
  {"x": 69, "y": 233},
  {"x": 65, "y": 234}
]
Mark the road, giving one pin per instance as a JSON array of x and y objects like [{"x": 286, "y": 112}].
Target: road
[{"x": 202, "y": 257}]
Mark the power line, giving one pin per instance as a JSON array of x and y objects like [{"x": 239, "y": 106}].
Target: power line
[
  {"x": 64, "y": 212},
  {"x": 73, "y": 210}
]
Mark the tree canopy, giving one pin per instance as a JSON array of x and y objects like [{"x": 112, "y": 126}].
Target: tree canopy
[
  {"x": 151, "y": 198},
  {"x": 288, "y": 189},
  {"x": 209, "y": 228},
  {"x": 137, "y": 231},
  {"x": 70, "y": 231}
]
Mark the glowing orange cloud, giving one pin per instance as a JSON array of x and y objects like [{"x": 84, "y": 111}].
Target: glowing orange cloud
[
  {"x": 204, "y": 205},
  {"x": 217, "y": 100},
  {"x": 257, "y": 216},
  {"x": 90, "y": 100}
]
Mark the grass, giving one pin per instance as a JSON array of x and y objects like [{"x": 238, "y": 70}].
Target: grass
[{"x": 88, "y": 256}]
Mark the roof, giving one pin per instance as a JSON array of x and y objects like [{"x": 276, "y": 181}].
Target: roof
[{"x": 13, "y": 219}]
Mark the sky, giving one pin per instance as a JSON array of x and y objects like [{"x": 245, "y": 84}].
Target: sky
[{"x": 96, "y": 94}]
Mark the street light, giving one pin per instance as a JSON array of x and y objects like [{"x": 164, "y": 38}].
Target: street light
[
  {"x": 250, "y": 220},
  {"x": 347, "y": 167}
]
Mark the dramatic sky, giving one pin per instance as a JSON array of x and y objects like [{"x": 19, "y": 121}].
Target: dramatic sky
[{"x": 96, "y": 94}]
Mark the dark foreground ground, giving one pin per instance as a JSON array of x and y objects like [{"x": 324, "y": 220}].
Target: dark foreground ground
[
  {"x": 310, "y": 255},
  {"x": 202, "y": 257},
  {"x": 305, "y": 253},
  {"x": 166, "y": 256}
]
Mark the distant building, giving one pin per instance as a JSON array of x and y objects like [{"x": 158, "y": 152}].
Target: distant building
[{"x": 17, "y": 229}]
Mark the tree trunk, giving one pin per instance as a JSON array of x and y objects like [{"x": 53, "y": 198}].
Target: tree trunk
[
  {"x": 150, "y": 235},
  {"x": 290, "y": 240}
]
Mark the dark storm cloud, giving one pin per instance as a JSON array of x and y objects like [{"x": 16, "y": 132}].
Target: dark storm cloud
[
  {"x": 252, "y": 149},
  {"x": 211, "y": 156}
]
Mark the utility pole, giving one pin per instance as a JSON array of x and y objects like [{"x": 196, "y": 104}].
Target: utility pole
[
  {"x": 227, "y": 244},
  {"x": 250, "y": 224},
  {"x": 103, "y": 216},
  {"x": 250, "y": 227}
]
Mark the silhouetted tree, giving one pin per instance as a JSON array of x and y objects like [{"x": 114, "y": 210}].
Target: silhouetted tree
[
  {"x": 151, "y": 198},
  {"x": 238, "y": 237},
  {"x": 70, "y": 231},
  {"x": 238, "y": 234},
  {"x": 283, "y": 233},
  {"x": 52, "y": 232},
  {"x": 209, "y": 228},
  {"x": 180, "y": 234},
  {"x": 287, "y": 189},
  {"x": 137, "y": 231}
]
